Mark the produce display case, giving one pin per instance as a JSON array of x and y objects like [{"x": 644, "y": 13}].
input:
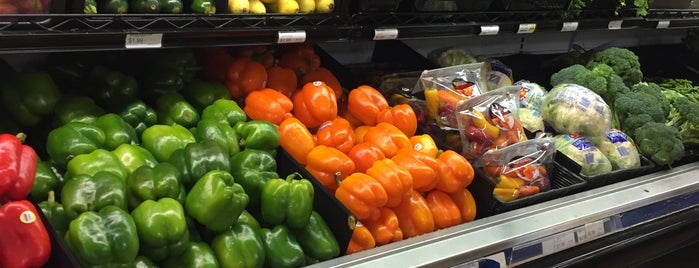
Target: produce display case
[{"x": 528, "y": 233}]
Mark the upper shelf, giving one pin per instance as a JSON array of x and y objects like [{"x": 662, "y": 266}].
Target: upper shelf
[{"x": 79, "y": 32}]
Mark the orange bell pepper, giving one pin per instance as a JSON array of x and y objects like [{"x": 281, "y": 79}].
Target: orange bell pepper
[
  {"x": 337, "y": 133},
  {"x": 282, "y": 79},
  {"x": 364, "y": 155},
  {"x": 414, "y": 216},
  {"x": 314, "y": 104},
  {"x": 359, "y": 133},
  {"x": 325, "y": 75},
  {"x": 386, "y": 229},
  {"x": 362, "y": 195},
  {"x": 402, "y": 116},
  {"x": 328, "y": 165},
  {"x": 361, "y": 240},
  {"x": 424, "y": 143},
  {"x": 302, "y": 59},
  {"x": 388, "y": 138},
  {"x": 268, "y": 104},
  {"x": 423, "y": 168},
  {"x": 466, "y": 203},
  {"x": 296, "y": 139},
  {"x": 365, "y": 103},
  {"x": 444, "y": 210},
  {"x": 245, "y": 76},
  {"x": 395, "y": 179},
  {"x": 259, "y": 53},
  {"x": 455, "y": 172}
]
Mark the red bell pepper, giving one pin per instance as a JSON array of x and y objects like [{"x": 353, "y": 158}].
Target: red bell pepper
[
  {"x": 17, "y": 167},
  {"x": 24, "y": 241}
]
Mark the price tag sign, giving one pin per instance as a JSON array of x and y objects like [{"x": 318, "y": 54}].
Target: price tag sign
[
  {"x": 594, "y": 230},
  {"x": 490, "y": 29},
  {"x": 558, "y": 242},
  {"x": 144, "y": 40},
  {"x": 526, "y": 28},
  {"x": 385, "y": 34},
  {"x": 663, "y": 24},
  {"x": 615, "y": 24},
  {"x": 290, "y": 37},
  {"x": 570, "y": 26}
]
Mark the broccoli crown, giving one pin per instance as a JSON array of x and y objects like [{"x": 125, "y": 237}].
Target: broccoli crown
[
  {"x": 614, "y": 83},
  {"x": 654, "y": 90},
  {"x": 659, "y": 142},
  {"x": 633, "y": 104},
  {"x": 624, "y": 62},
  {"x": 579, "y": 75}
]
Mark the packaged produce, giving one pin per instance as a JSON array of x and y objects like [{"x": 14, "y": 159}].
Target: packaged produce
[
  {"x": 450, "y": 56},
  {"x": 581, "y": 150},
  {"x": 620, "y": 149},
  {"x": 571, "y": 109},
  {"x": 520, "y": 170},
  {"x": 497, "y": 74},
  {"x": 489, "y": 121},
  {"x": 445, "y": 87},
  {"x": 530, "y": 98}
]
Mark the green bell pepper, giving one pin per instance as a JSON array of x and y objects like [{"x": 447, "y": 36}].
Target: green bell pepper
[
  {"x": 139, "y": 115},
  {"x": 107, "y": 238},
  {"x": 224, "y": 110},
  {"x": 55, "y": 214},
  {"x": 67, "y": 141},
  {"x": 161, "y": 81},
  {"x": 116, "y": 131},
  {"x": 194, "y": 235},
  {"x": 172, "y": 108},
  {"x": 29, "y": 96},
  {"x": 239, "y": 247},
  {"x": 258, "y": 134},
  {"x": 134, "y": 156},
  {"x": 248, "y": 219},
  {"x": 196, "y": 159},
  {"x": 144, "y": 262},
  {"x": 107, "y": 84},
  {"x": 180, "y": 62},
  {"x": 196, "y": 255},
  {"x": 47, "y": 178},
  {"x": 316, "y": 239},
  {"x": 216, "y": 201},
  {"x": 220, "y": 132},
  {"x": 287, "y": 201},
  {"x": 96, "y": 161},
  {"x": 92, "y": 192},
  {"x": 281, "y": 247},
  {"x": 162, "y": 140},
  {"x": 201, "y": 93},
  {"x": 162, "y": 228},
  {"x": 252, "y": 169},
  {"x": 76, "y": 109},
  {"x": 153, "y": 183}
]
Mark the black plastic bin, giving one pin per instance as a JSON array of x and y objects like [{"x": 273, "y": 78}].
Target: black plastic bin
[{"x": 615, "y": 176}]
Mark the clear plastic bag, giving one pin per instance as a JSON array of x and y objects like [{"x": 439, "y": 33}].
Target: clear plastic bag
[
  {"x": 520, "y": 170},
  {"x": 581, "y": 150},
  {"x": 489, "y": 121},
  {"x": 571, "y": 109},
  {"x": 530, "y": 98},
  {"x": 445, "y": 87}
]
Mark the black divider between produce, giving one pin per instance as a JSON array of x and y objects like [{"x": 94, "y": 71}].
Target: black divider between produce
[
  {"x": 615, "y": 176},
  {"x": 340, "y": 220},
  {"x": 563, "y": 182},
  {"x": 61, "y": 257}
]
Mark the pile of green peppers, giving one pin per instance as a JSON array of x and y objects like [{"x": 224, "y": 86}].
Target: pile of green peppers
[{"x": 186, "y": 181}]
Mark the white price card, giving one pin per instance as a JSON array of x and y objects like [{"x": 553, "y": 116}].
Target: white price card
[
  {"x": 385, "y": 34},
  {"x": 594, "y": 229},
  {"x": 663, "y": 24},
  {"x": 490, "y": 29},
  {"x": 558, "y": 243},
  {"x": 154, "y": 40},
  {"x": 290, "y": 37},
  {"x": 526, "y": 28},
  {"x": 615, "y": 24},
  {"x": 570, "y": 26}
]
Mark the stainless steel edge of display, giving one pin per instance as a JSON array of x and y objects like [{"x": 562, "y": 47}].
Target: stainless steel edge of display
[{"x": 495, "y": 234}]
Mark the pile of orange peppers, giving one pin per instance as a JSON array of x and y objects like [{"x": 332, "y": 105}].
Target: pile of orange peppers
[{"x": 396, "y": 183}]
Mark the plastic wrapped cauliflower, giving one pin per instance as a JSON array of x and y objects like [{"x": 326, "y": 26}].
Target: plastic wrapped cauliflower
[
  {"x": 570, "y": 109},
  {"x": 530, "y": 98},
  {"x": 581, "y": 150},
  {"x": 620, "y": 150}
]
